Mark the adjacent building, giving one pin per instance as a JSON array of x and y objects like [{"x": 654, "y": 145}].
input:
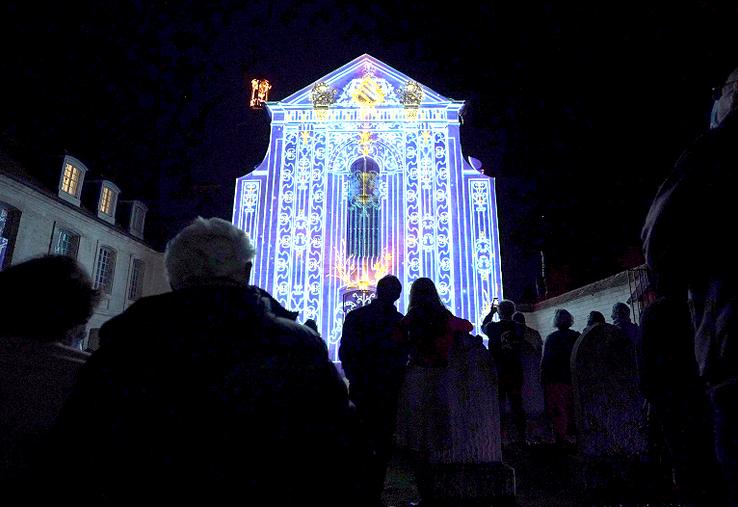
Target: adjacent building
[{"x": 83, "y": 218}]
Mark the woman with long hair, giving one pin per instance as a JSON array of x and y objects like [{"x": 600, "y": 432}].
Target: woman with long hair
[
  {"x": 428, "y": 407},
  {"x": 429, "y": 327}
]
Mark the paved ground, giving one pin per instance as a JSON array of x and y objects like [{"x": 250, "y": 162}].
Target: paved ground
[{"x": 544, "y": 478}]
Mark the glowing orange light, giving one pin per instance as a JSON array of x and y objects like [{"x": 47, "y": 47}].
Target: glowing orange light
[
  {"x": 361, "y": 273},
  {"x": 259, "y": 93}
]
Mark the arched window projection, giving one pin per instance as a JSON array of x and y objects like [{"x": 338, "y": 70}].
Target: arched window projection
[{"x": 363, "y": 224}]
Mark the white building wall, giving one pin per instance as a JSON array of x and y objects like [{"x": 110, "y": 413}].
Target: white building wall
[
  {"x": 599, "y": 296},
  {"x": 42, "y": 214}
]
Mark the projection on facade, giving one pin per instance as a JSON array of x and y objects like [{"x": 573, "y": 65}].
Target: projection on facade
[{"x": 364, "y": 176}]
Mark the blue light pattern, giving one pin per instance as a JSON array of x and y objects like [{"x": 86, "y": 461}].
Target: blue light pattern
[{"x": 438, "y": 215}]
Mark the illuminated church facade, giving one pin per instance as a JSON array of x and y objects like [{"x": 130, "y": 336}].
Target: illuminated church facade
[{"x": 364, "y": 177}]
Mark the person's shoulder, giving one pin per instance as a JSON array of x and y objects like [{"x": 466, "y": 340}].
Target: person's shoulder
[
  {"x": 532, "y": 331},
  {"x": 460, "y": 323},
  {"x": 553, "y": 335},
  {"x": 145, "y": 305},
  {"x": 294, "y": 337},
  {"x": 493, "y": 328},
  {"x": 361, "y": 311},
  {"x": 355, "y": 317},
  {"x": 611, "y": 329},
  {"x": 709, "y": 144},
  {"x": 140, "y": 312}
]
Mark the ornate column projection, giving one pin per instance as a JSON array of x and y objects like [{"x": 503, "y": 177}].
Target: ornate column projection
[
  {"x": 413, "y": 200},
  {"x": 444, "y": 274},
  {"x": 316, "y": 256},
  {"x": 426, "y": 181},
  {"x": 307, "y": 238},
  {"x": 286, "y": 214},
  {"x": 459, "y": 251},
  {"x": 482, "y": 243}
]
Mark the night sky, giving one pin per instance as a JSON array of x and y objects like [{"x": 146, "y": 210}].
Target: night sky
[{"x": 578, "y": 111}]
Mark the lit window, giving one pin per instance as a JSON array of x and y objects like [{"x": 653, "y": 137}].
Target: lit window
[
  {"x": 105, "y": 270},
  {"x": 66, "y": 244},
  {"x": 137, "y": 276},
  {"x": 70, "y": 182},
  {"x": 106, "y": 201}
]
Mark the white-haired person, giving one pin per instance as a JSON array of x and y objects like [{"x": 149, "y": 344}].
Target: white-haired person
[{"x": 202, "y": 395}]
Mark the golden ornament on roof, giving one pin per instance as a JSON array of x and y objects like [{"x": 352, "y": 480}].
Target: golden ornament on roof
[{"x": 322, "y": 95}]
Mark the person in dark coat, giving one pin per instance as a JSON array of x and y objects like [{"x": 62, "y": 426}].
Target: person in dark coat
[
  {"x": 202, "y": 396},
  {"x": 45, "y": 303},
  {"x": 506, "y": 338},
  {"x": 678, "y": 414},
  {"x": 374, "y": 364},
  {"x": 556, "y": 376},
  {"x": 276, "y": 307},
  {"x": 684, "y": 238}
]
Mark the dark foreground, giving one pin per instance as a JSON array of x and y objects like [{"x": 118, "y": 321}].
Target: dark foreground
[{"x": 546, "y": 478}]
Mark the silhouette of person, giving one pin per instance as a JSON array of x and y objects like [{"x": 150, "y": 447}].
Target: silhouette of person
[
  {"x": 532, "y": 337},
  {"x": 45, "y": 302},
  {"x": 505, "y": 340},
  {"x": 556, "y": 376},
  {"x": 621, "y": 319},
  {"x": 697, "y": 198},
  {"x": 374, "y": 363},
  {"x": 424, "y": 424},
  {"x": 595, "y": 318},
  {"x": 532, "y": 390},
  {"x": 678, "y": 408},
  {"x": 202, "y": 395},
  {"x": 312, "y": 325},
  {"x": 276, "y": 307}
]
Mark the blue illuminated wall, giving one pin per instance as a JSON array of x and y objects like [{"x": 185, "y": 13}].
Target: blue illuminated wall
[{"x": 436, "y": 214}]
